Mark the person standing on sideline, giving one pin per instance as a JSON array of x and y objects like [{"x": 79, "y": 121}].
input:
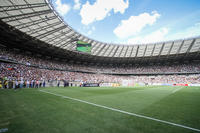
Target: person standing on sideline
[
  {"x": 37, "y": 84},
  {"x": 32, "y": 83},
  {"x": 16, "y": 84},
  {"x": 58, "y": 83},
  {"x": 13, "y": 84},
  {"x": 0, "y": 84},
  {"x": 21, "y": 83},
  {"x": 27, "y": 83},
  {"x": 43, "y": 83},
  {"x": 40, "y": 83}
]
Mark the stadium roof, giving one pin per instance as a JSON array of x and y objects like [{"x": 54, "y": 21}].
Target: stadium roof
[{"x": 38, "y": 19}]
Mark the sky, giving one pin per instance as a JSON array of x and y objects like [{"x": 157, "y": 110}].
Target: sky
[{"x": 132, "y": 21}]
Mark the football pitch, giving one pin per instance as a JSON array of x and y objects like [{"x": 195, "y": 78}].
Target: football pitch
[{"x": 150, "y": 109}]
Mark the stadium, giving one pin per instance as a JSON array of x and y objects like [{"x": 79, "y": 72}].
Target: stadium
[{"x": 56, "y": 79}]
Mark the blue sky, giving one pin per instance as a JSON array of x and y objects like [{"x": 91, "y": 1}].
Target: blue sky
[{"x": 132, "y": 21}]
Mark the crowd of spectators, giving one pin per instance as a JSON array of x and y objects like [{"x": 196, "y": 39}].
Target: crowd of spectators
[
  {"x": 35, "y": 71},
  {"x": 26, "y": 73},
  {"x": 123, "y": 69}
]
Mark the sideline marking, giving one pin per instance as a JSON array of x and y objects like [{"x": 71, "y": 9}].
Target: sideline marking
[
  {"x": 124, "y": 112},
  {"x": 177, "y": 89},
  {"x": 2, "y": 130}
]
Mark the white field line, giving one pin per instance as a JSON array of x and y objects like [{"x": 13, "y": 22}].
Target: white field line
[
  {"x": 2, "y": 130},
  {"x": 177, "y": 89},
  {"x": 124, "y": 112}
]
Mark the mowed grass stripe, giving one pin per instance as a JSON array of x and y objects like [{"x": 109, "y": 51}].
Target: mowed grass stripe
[
  {"x": 32, "y": 110},
  {"x": 131, "y": 99},
  {"x": 124, "y": 112}
]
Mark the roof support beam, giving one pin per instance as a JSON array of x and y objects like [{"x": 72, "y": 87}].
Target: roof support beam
[
  {"x": 91, "y": 41},
  {"x": 153, "y": 50},
  {"x": 36, "y": 30},
  {"x": 189, "y": 48},
  {"x": 21, "y": 7},
  {"x": 106, "y": 50},
  {"x": 80, "y": 38},
  {"x": 86, "y": 40},
  {"x": 65, "y": 46},
  {"x": 64, "y": 39},
  {"x": 70, "y": 47},
  {"x": 95, "y": 46},
  {"x": 61, "y": 40},
  {"x": 101, "y": 49},
  {"x": 28, "y": 24},
  {"x": 50, "y": 32},
  {"x": 131, "y": 50},
  {"x": 180, "y": 48},
  {"x": 57, "y": 36},
  {"x": 168, "y": 54},
  {"x": 137, "y": 51},
  {"x": 111, "y": 50},
  {"x": 128, "y": 47},
  {"x": 126, "y": 51},
  {"x": 121, "y": 51},
  {"x": 161, "y": 49},
  {"x": 68, "y": 42},
  {"x": 115, "y": 51},
  {"x": 198, "y": 52},
  {"x": 145, "y": 51},
  {"x": 25, "y": 15}
]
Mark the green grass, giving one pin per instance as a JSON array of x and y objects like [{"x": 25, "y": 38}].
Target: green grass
[{"x": 33, "y": 111}]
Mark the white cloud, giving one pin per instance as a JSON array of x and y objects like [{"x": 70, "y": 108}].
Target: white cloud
[
  {"x": 163, "y": 34},
  {"x": 135, "y": 24},
  {"x": 62, "y": 8},
  {"x": 155, "y": 36},
  {"x": 91, "y": 30},
  {"x": 101, "y": 9},
  {"x": 77, "y": 4},
  {"x": 188, "y": 32}
]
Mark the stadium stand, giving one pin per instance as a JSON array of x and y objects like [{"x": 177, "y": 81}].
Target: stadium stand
[
  {"x": 190, "y": 67},
  {"x": 23, "y": 68},
  {"x": 36, "y": 44}
]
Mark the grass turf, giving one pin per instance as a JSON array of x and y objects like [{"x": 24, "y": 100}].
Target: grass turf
[{"x": 30, "y": 110}]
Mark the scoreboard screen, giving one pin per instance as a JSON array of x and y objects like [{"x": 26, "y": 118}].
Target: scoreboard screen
[{"x": 83, "y": 47}]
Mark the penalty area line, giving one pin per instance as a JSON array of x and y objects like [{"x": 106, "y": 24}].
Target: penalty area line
[{"x": 124, "y": 112}]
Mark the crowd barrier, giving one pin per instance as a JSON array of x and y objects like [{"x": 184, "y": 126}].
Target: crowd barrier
[
  {"x": 109, "y": 84},
  {"x": 90, "y": 85},
  {"x": 193, "y": 84}
]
